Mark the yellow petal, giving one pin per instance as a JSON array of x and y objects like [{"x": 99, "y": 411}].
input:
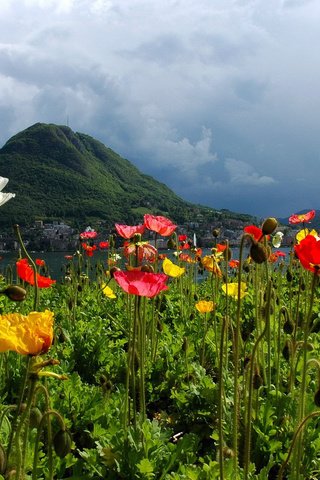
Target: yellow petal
[
  {"x": 232, "y": 289},
  {"x": 108, "y": 292},
  {"x": 171, "y": 269},
  {"x": 304, "y": 232}
]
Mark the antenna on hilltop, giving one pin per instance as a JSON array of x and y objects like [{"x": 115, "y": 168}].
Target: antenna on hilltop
[{"x": 67, "y": 120}]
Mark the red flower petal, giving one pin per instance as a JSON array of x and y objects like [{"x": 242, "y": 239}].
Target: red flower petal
[
  {"x": 159, "y": 224},
  {"x": 143, "y": 284}
]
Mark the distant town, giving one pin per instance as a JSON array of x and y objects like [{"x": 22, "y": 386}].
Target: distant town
[{"x": 59, "y": 236}]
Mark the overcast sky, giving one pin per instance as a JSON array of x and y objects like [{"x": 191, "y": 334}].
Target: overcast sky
[{"x": 219, "y": 99}]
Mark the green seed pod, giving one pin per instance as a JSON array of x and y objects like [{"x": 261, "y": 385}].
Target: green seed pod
[
  {"x": 269, "y": 226},
  {"x": 35, "y": 417},
  {"x": 62, "y": 443},
  {"x": 15, "y": 293},
  {"x": 258, "y": 252}
]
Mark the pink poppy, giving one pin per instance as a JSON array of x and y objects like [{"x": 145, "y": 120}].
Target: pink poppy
[
  {"x": 88, "y": 234},
  {"x": 143, "y": 284},
  {"x": 159, "y": 224},
  {"x": 128, "y": 231},
  {"x": 302, "y": 218}
]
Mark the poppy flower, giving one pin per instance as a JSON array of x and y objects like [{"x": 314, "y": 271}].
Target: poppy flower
[
  {"x": 103, "y": 245},
  {"x": 89, "y": 249},
  {"x": 144, "y": 250},
  {"x": 280, "y": 253},
  {"x": 171, "y": 269},
  {"x": 256, "y": 232},
  {"x": 26, "y": 273},
  {"x": 221, "y": 247},
  {"x": 159, "y": 224},
  {"x": 143, "y": 284},
  {"x": 210, "y": 264},
  {"x": 182, "y": 238},
  {"x": 128, "y": 231},
  {"x": 234, "y": 263},
  {"x": 277, "y": 239},
  {"x": 4, "y": 197},
  {"x": 205, "y": 306},
  {"x": 302, "y": 218},
  {"x": 231, "y": 289},
  {"x": 184, "y": 246},
  {"x": 40, "y": 262},
  {"x": 107, "y": 291},
  {"x": 304, "y": 232},
  {"x": 184, "y": 257},
  {"x": 308, "y": 252},
  {"x": 68, "y": 257},
  {"x": 30, "y": 334},
  {"x": 89, "y": 233}
]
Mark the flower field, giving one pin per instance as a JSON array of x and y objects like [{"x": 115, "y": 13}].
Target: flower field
[{"x": 137, "y": 368}]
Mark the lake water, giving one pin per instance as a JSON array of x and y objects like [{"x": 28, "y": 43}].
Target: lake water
[{"x": 56, "y": 262}]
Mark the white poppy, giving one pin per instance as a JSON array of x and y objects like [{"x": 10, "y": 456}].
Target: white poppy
[
  {"x": 4, "y": 197},
  {"x": 277, "y": 239}
]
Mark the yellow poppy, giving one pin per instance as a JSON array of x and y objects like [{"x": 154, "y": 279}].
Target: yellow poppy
[
  {"x": 210, "y": 263},
  {"x": 26, "y": 334},
  {"x": 232, "y": 289},
  {"x": 171, "y": 269},
  {"x": 205, "y": 306},
  {"x": 108, "y": 292},
  {"x": 304, "y": 232}
]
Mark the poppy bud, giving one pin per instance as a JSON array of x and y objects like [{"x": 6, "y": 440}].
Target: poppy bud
[
  {"x": 3, "y": 460},
  {"x": 216, "y": 232},
  {"x": 317, "y": 398},
  {"x": 288, "y": 326},
  {"x": 147, "y": 268},
  {"x": 136, "y": 238},
  {"x": 258, "y": 252},
  {"x": 185, "y": 344},
  {"x": 113, "y": 270},
  {"x": 171, "y": 243},
  {"x": 269, "y": 226},
  {"x": 35, "y": 417},
  {"x": 257, "y": 381},
  {"x": 15, "y": 293},
  {"x": 228, "y": 452},
  {"x": 62, "y": 443},
  {"x": 289, "y": 276},
  {"x": 286, "y": 351}
]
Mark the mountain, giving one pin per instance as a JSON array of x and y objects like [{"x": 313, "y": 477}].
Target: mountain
[{"x": 58, "y": 174}]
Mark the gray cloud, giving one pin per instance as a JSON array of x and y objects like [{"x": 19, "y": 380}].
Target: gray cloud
[{"x": 217, "y": 99}]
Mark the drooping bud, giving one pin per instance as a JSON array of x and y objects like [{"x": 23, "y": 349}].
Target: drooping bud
[
  {"x": 171, "y": 243},
  {"x": 113, "y": 270},
  {"x": 317, "y": 398},
  {"x": 269, "y": 225},
  {"x": 216, "y": 232},
  {"x": 15, "y": 293},
  {"x": 62, "y": 443},
  {"x": 35, "y": 417},
  {"x": 258, "y": 252},
  {"x": 147, "y": 268},
  {"x": 3, "y": 460}
]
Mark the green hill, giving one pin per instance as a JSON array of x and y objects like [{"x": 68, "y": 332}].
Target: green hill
[{"x": 58, "y": 174}]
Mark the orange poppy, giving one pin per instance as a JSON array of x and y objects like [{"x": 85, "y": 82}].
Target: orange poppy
[{"x": 26, "y": 273}]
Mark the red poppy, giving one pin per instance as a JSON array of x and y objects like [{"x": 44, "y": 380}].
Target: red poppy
[
  {"x": 143, "y": 284},
  {"x": 256, "y": 232},
  {"x": 302, "y": 218},
  {"x": 234, "y": 263},
  {"x": 89, "y": 249},
  {"x": 68, "y": 257},
  {"x": 158, "y": 224},
  {"x": 308, "y": 252},
  {"x": 26, "y": 273},
  {"x": 182, "y": 238},
  {"x": 184, "y": 257},
  {"x": 88, "y": 234},
  {"x": 221, "y": 247},
  {"x": 104, "y": 245},
  {"x": 184, "y": 246},
  {"x": 128, "y": 231},
  {"x": 40, "y": 262},
  {"x": 280, "y": 253}
]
